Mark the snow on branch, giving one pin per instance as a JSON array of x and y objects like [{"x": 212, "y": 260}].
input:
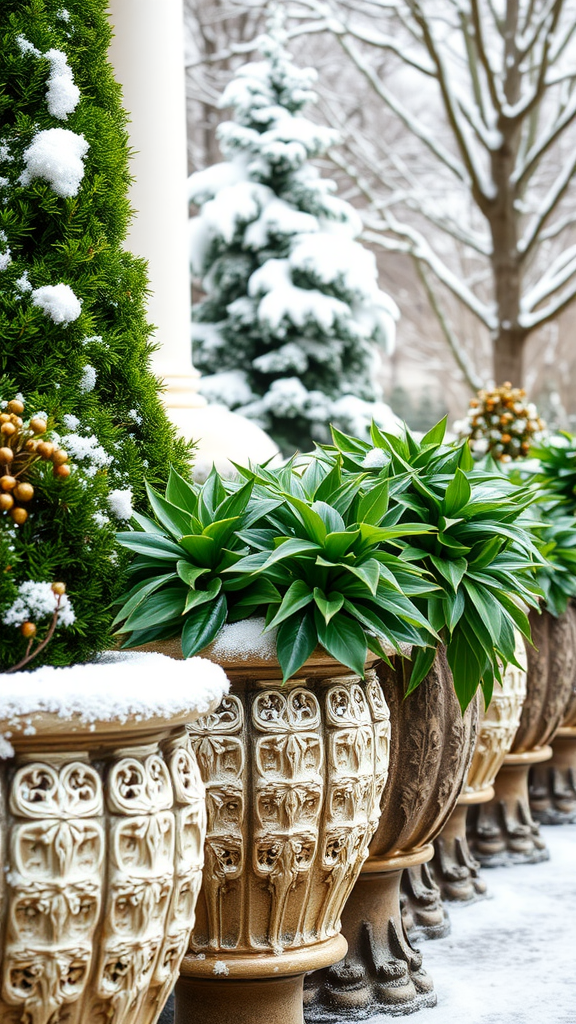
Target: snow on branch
[
  {"x": 415, "y": 126},
  {"x": 542, "y": 316},
  {"x": 559, "y": 272},
  {"x": 408, "y": 240},
  {"x": 548, "y": 205}
]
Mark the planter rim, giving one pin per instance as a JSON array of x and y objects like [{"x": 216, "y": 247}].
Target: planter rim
[
  {"x": 119, "y": 694},
  {"x": 529, "y": 756},
  {"x": 276, "y": 965},
  {"x": 396, "y": 861}
]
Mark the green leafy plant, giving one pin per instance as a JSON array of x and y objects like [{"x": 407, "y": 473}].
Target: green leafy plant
[
  {"x": 556, "y": 538},
  {"x": 479, "y": 551},
  {"x": 299, "y": 546},
  {"x": 556, "y": 472}
]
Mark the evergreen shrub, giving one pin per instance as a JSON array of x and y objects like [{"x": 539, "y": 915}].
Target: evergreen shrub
[{"x": 74, "y": 338}]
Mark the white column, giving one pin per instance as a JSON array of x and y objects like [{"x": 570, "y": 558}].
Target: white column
[{"x": 147, "y": 52}]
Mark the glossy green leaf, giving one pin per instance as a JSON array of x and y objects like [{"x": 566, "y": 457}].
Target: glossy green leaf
[
  {"x": 457, "y": 494},
  {"x": 173, "y": 519},
  {"x": 295, "y": 641},
  {"x": 150, "y": 544},
  {"x": 203, "y": 625},
  {"x": 195, "y": 598},
  {"x": 328, "y": 605},
  {"x": 202, "y": 549},
  {"x": 296, "y": 597},
  {"x": 344, "y": 639}
]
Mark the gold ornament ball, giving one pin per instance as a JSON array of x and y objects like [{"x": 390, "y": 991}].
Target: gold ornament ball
[
  {"x": 31, "y": 446},
  {"x": 7, "y": 483},
  {"x": 19, "y": 515},
  {"x": 8, "y": 429},
  {"x": 46, "y": 449},
  {"x": 6, "y": 456},
  {"x": 62, "y": 471},
  {"x": 4, "y": 417},
  {"x": 24, "y": 492},
  {"x": 16, "y": 406},
  {"x": 59, "y": 589},
  {"x": 60, "y": 457},
  {"x": 6, "y": 502},
  {"x": 28, "y": 629},
  {"x": 37, "y": 425}
]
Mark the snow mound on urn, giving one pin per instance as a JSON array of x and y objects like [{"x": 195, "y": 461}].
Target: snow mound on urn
[
  {"x": 115, "y": 687},
  {"x": 244, "y": 640}
]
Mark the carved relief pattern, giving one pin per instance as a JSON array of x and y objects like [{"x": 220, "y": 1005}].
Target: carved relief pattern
[
  {"x": 313, "y": 759},
  {"x": 499, "y": 724},
  {"x": 103, "y": 870}
]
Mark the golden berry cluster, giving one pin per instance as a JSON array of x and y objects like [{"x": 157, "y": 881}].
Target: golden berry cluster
[
  {"x": 500, "y": 422},
  {"x": 21, "y": 445}
]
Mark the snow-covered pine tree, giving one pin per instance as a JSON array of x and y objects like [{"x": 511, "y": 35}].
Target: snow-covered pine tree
[
  {"x": 74, "y": 340},
  {"x": 292, "y": 313}
]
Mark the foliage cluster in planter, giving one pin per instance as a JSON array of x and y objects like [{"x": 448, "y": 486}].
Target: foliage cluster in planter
[
  {"x": 358, "y": 546},
  {"x": 75, "y": 339}
]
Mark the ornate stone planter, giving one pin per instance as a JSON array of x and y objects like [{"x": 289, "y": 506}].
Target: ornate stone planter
[
  {"x": 553, "y": 784},
  {"x": 294, "y": 775},
  {"x": 456, "y": 871},
  {"x": 503, "y": 831},
  {"x": 102, "y": 833},
  {"x": 431, "y": 747}
]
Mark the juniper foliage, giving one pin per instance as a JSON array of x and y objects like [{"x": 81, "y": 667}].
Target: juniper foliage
[{"x": 90, "y": 373}]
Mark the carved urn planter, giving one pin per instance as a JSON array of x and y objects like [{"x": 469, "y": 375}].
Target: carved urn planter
[
  {"x": 102, "y": 830},
  {"x": 503, "y": 831},
  {"x": 431, "y": 745},
  {"x": 553, "y": 784},
  {"x": 456, "y": 870},
  {"x": 294, "y": 776}
]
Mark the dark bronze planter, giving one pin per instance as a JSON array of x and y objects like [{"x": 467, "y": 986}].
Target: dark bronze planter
[
  {"x": 552, "y": 785},
  {"x": 503, "y": 831},
  {"x": 423, "y": 911},
  {"x": 455, "y": 869},
  {"x": 430, "y": 749}
]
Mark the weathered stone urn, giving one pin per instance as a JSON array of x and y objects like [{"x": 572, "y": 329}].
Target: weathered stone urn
[
  {"x": 294, "y": 776},
  {"x": 553, "y": 784},
  {"x": 503, "y": 831},
  {"x": 102, "y": 827},
  {"x": 455, "y": 869},
  {"x": 424, "y": 914},
  {"x": 431, "y": 745}
]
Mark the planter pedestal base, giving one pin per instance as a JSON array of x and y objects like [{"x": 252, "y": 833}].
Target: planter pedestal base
[
  {"x": 553, "y": 785},
  {"x": 244, "y": 990},
  {"x": 455, "y": 869},
  {"x": 423, "y": 912},
  {"x": 382, "y": 972},
  {"x": 503, "y": 831}
]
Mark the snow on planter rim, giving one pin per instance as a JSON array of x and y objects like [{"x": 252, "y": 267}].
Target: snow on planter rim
[
  {"x": 246, "y": 640},
  {"x": 116, "y": 687}
]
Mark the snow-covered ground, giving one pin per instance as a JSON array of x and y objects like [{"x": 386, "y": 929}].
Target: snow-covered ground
[{"x": 510, "y": 959}]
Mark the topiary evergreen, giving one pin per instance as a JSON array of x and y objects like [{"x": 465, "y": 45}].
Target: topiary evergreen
[
  {"x": 286, "y": 332},
  {"x": 74, "y": 339}
]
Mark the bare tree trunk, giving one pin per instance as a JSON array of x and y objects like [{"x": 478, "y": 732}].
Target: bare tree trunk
[{"x": 509, "y": 356}]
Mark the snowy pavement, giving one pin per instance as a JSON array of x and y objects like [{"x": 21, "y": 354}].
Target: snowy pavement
[{"x": 510, "y": 959}]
